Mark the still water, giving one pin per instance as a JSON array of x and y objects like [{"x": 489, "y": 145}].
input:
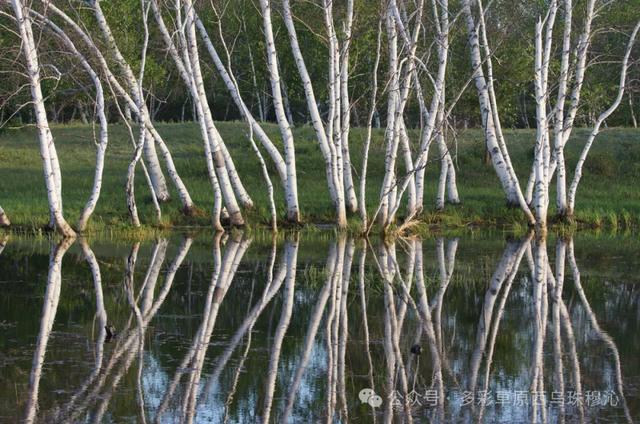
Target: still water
[{"x": 481, "y": 328}]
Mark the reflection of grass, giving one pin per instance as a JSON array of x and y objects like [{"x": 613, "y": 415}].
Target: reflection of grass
[{"x": 607, "y": 196}]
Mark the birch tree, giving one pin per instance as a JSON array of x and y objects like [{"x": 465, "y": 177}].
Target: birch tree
[
  {"x": 188, "y": 64},
  {"x": 51, "y": 166},
  {"x": 495, "y": 143},
  {"x": 332, "y": 135},
  {"x": 403, "y": 37},
  {"x": 554, "y": 122},
  {"x": 226, "y": 73},
  {"x": 135, "y": 88},
  {"x": 138, "y": 105},
  {"x": 130, "y": 97},
  {"x": 577, "y": 175},
  {"x": 103, "y": 137}
]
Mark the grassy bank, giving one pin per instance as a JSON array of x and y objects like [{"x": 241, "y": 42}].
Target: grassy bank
[{"x": 607, "y": 197}]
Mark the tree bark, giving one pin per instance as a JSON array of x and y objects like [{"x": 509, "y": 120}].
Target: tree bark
[
  {"x": 142, "y": 110},
  {"x": 47, "y": 147},
  {"x": 293, "y": 214},
  {"x": 571, "y": 200},
  {"x": 491, "y": 127}
]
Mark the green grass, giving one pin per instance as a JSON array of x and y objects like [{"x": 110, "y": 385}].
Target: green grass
[{"x": 607, "y": 197}]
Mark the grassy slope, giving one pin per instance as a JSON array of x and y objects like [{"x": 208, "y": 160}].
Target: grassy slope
[{"x": 608, "y": 193}]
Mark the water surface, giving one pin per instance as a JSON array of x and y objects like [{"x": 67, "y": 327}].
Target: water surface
[{"x": 481, "y": 328}]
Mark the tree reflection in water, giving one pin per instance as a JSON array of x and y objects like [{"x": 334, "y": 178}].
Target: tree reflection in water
[{"x": 383, "y": 317}]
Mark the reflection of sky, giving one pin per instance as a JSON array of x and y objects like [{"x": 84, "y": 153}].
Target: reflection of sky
[
  {"x": 70, "y": 351},
  {"x": 211, "y": 405}
]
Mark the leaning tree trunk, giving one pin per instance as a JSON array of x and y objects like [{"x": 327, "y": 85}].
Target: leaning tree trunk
[
  {"x": 324, "y": 135},
  {"x": 571, "y": 198},
  {"x": 140, "y": 105},
  {"x": 499, "y": 156},
  {"x": 155, "y": 170},
  {"x": 212, "y": 136},
  {"x": 47, "y": 146},
  {"x": 103, "y": 133}
]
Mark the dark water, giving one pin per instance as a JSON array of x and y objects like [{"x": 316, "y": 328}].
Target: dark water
[{"x": 476, "y": 329}]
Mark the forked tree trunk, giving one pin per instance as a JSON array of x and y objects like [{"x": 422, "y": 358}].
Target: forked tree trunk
[
  {"x": 47, "y": 146},
  {"x": 491, "y": 127},
  {"x": 139, "y": 104},
  {"x": 212, "y": 136},
  {"x": 571, "y": 197},
  {"x": 331, "y": 150},
  {"x": 103, "y": 133}
]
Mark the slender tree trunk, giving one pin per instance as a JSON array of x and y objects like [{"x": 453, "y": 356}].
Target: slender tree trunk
[
  {"x": 351, "y": 200},
  {"x": 143, "y": 112},
  {"x": 498, "y": 157},
  {"x": 212, "y": 134},
  {"x": 324, "y": 135},
  {"x": 367, "y": 143},
  {"x": 577, "y": 175},
  {"x": 103, "y": 133},
  {"x": 634, "y": 121},
  {"x": 47, "y": 147},
  {"x": 293, "y": 214}
]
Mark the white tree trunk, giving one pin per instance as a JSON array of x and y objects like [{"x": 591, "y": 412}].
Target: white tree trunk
[
  {"x": 140, "y": 105},
  {"x": 498, "y": 156},
  {"x": 212, "y": 136},
  {"x": 155, "y": 170},
  {"x": 323, "y": 135},
  {"x": 293, "y": 214},
  {"x": 571, "y": 201},
  {"x": 103, "y": 133},
  {"x": 349, "y": 190},
  {"x": 47, "y": 146},
  {"x": 367, "y": 143}
]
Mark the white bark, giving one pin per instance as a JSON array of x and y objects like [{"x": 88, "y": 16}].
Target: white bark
[
  {"x": 229, "y": 81},
  {"x": 134, "y": 86},
  {"x": 4, "y": 219},
  {"x": 212, "y": 136},
  {"x": 142, "y": 111},
  {"x": 558, "y": 125},
  {"x": 504, "y": 171},
  {"x": 349, "y": 189},
  {"x": 603, "y": 116},
  {"x": 391, "y": 139},
  {"x": 267, "y": 180},
  {"x": 367, "y": 143},
  {"x": 103, "y": 136},
  {"x": 293, "y": 214},
  {"x": 130, "y": 99},
  {"x": 228, "y": 78},
  {"x": 330, "y": 152},
  {"x": 47, "y": 146}
]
